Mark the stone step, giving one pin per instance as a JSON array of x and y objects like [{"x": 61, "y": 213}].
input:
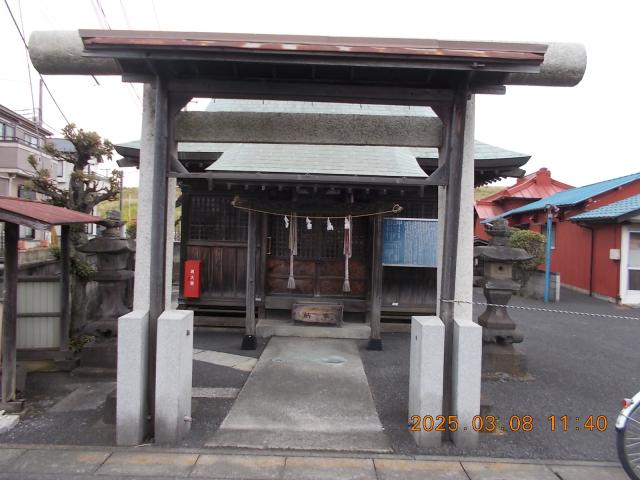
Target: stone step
[{"x": 285, "y": 328}]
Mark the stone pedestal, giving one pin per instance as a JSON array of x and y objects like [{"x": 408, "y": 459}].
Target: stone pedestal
[
  {"x": 174, "y": 360},
  {"x": 426, "y": 367},
  {"x": 132, "y": 408},
  {"x": 497, "y": 326}
]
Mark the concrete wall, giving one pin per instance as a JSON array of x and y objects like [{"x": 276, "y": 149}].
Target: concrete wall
[{"x": 535, "y": 287}]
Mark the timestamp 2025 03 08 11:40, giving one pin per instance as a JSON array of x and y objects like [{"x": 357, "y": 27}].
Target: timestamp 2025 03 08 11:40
[{"x": 515, "y": 423}]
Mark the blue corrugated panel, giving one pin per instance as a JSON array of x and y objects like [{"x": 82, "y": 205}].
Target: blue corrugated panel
[
  {"x": 573, "y": 196},
  {"x": 612, "y": 211}
]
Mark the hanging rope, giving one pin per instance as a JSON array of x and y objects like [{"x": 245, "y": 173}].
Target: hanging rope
[{"x": 395, "y": 210}]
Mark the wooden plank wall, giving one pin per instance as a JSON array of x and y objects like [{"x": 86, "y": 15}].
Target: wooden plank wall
[{"x": 223, "y": 270}]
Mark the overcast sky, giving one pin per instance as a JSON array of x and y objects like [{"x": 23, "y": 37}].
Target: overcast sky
[{"x": 583, "y": 134}]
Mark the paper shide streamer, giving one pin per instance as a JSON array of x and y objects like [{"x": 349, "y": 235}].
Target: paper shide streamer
[
  {"x": 293, "y": 249},
  {"x": 346, "y": 249}
]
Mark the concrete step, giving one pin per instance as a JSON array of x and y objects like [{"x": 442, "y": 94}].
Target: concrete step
[{"x": 285, "y": 328}]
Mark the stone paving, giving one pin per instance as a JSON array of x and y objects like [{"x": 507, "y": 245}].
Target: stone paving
[{"x": 79, "y": 463}]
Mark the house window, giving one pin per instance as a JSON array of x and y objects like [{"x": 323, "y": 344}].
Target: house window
[
  {"x": 31, "y": 140},
  {"x": 26, "y": 192},
  {"x": 7, "y": 132}
]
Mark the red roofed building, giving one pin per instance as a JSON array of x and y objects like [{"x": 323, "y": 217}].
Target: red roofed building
[{"x": 527, "y": 189}]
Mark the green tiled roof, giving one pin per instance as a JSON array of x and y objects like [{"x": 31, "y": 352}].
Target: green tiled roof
[
  {"x": 483, "y": 151},
  {"x": 319, "y": 159}
]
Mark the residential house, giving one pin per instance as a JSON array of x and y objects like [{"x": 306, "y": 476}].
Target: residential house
[
  {"x": 526, "y": 190},
  {"x": 21, "y": 138},
  {"x": 595, "y": 236}
]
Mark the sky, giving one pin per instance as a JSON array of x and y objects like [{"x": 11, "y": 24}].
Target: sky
[{"x": 582, "y": 134}]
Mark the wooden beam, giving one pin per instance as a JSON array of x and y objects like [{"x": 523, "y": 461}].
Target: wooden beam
[
  {"x": 308, "y": 178},
  {"x": 375, "y": 341},
  {"x": 9, "y": 314},
  {"x": 249, "y": 340},
  {"x": 65, "y": 289},
  {"x": 309, "y": 128}
]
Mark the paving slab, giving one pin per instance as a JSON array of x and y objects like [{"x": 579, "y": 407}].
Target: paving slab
[
  {"x": 8, "y": 454},
  {"x": 64, "y": 476},
  {"x": 239, "y": 362},
  {"x": 246, "y": 467},
  {"x": 269, "y": 327},
  {"x": 305, "y": 394},
  {"x": 56, "y": 461},
  {"x": 324, "y": 468},
  {"x": 8, "y": 421},
  {"x": 214, "y": 392},
  {"x": 507, "y": 471},
  {"x": 389, "y": 469},
  {"x": 149, "y": 464},
  {"x": 86, "y": 397},
  {"x": 570, "y": 472}
]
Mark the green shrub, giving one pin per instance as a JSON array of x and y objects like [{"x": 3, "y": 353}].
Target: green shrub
[
  {"x": 81, "y": 269},
  {"x": 533, "y": 243},
  {"x": 132, "y": 229},
  {"x": 78, "y": 342}
]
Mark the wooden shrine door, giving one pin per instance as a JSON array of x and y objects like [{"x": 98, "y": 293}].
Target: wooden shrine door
[{"x": 319, "y": 266}]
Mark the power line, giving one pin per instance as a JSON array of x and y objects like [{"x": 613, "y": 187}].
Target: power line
[
  {"x": 26, "y": 55},
  {"x": 26, "y": 46},
  {"x": 103, "y": 14},
  {"x": 102, "y": 18},
  {"x": 155, "y": 14},
  {"x": 124, "y": 13}
]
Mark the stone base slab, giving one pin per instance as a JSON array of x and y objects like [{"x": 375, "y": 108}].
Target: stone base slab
[{"x": 509, "y": 359}]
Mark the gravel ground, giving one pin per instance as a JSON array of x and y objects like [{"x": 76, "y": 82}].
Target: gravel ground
[{"x": 579, "y": 366}]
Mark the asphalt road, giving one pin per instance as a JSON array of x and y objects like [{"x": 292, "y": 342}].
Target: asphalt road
[{"x": 579, "y": 366}]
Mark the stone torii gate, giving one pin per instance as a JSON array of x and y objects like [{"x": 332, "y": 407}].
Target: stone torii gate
[{"x": 177, "y": 66}]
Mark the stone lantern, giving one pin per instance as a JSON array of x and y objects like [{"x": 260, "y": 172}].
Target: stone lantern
[
  {"x": 112, "y": 299},
  {"x": 499, "y": 331}
]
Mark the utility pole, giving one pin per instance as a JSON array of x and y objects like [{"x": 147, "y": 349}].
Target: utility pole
[{"x": 40, "y": 104}]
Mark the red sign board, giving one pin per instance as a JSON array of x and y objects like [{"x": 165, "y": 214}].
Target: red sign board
[{"x": 191, "y": 286}]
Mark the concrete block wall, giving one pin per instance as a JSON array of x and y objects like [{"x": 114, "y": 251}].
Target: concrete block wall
[
  {"x": 535, "y": 287},
  {"x": 174, "y": 361}
]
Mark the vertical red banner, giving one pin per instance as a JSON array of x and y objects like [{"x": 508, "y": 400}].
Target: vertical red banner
[{"x": 191, "y": 286}]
